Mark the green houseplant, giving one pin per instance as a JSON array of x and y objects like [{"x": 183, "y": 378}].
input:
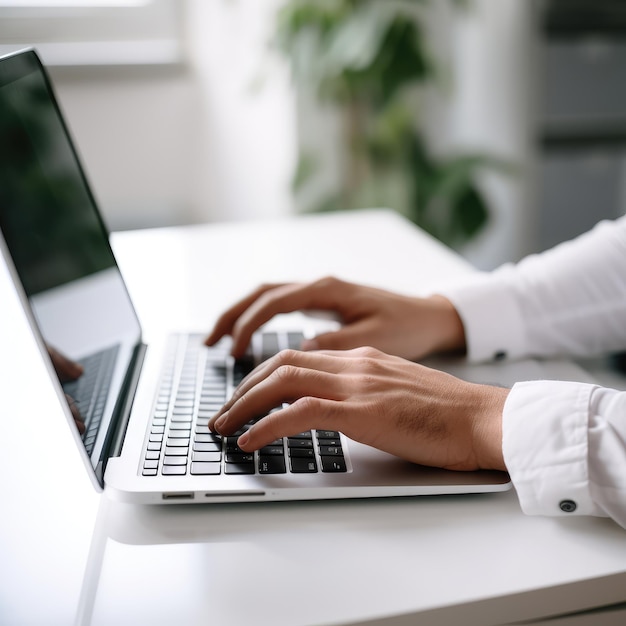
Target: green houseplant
[{"x": 369, "y": 59}]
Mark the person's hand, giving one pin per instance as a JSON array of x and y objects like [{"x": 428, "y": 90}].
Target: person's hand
[
  {"x": 68, "y": 370},
  {"x": 401, "y": 325},
  {"x": 414, "y": 412}
]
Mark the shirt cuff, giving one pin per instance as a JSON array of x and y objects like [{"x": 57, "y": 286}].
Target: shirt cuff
[
  {"x": 491, "y": 319},
  {"x": 545, "y": 426}
]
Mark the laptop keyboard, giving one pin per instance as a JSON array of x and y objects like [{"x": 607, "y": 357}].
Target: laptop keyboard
[
  {"x": 90, "y": 391},
  {"x": 194, "y": 385}
]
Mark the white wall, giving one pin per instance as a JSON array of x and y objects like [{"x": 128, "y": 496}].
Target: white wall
[
  {"x": 193, "y": 143},
  {"x": 489, "y": 108}
]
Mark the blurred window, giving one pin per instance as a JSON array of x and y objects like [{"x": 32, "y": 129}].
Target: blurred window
[{"x": 95, "y": 32}]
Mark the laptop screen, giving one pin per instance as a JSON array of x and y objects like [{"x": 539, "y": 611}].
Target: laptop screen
[{"x": 60, "y": 248}]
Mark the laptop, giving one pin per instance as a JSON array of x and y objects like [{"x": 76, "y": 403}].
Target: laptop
[{"x": 139, "y": 413}]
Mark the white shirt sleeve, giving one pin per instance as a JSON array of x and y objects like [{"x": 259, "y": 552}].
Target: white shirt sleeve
[
  {"x": 564, "y": 443},
  {"x": 570, "y": 300},
  {"x": 564, "y": 446}
]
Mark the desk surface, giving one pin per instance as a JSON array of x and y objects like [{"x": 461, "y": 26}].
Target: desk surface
[{"x": 342, "y": 562}]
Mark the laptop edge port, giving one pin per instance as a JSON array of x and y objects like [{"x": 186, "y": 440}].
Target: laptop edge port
[{"x": 182, "y": 495}]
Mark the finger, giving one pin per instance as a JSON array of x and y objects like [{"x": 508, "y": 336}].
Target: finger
[
  {"x": 314, "y": 361},
  {"x": 65, "y": 368},
  {"x": 286, "y": 384},
  {"x": 327, "y": 362},
  {"x": 347, "y": 337},
  {"x": 225, "y": 322},
  {"x": 323, "y": 294},
  {"x": 304, "y": 414}
]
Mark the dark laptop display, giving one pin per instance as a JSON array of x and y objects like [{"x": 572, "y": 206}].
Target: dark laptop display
[{"x": 60, "y": 247}]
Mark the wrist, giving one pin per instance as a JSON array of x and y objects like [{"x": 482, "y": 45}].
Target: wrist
[
  {"x": 449, "y": 332},
  {"x": 487, "y": 427}
]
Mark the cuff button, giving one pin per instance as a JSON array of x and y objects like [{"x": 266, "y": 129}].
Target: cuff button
[{"x": 567, "y": 506}]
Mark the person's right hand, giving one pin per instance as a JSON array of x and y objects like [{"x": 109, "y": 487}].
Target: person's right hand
[
  {"x": 408, "y": 327},
  {"x": 414, "y": 412}
]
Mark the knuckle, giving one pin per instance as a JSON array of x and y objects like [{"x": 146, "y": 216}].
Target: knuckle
[
  {"x": 368, "y": 353},
  {"x": 285, "y": 357},
  {"x": 307, "y": 405},
  {"x": 327, "y": 282},
  {"x": 285, "y": 373}
]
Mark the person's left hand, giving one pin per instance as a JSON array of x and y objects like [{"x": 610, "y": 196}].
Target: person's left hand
[
  {"x": 414, "y": 412},
  {"x": 65, "y": 368},
  {"x": 68, "y": 370}
]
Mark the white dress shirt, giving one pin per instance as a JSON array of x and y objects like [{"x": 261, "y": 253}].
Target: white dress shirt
[{"x": 564, "y": 443}]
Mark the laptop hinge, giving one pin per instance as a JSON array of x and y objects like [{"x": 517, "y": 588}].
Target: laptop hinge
[{"x": 117, "y": 431}]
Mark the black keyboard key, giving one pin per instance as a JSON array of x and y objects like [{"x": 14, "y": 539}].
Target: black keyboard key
[
  {"x": 241, "y": 369},
  {"x": 327, "y": 434},
  {"x": 299, "y": 443},
  {"x": 305, "y": 435},
  {"x": 272, "y": 451},
  {"x": 239, "y": 468},
  {"x": 331, "y": 451},
  {"x": 302, "y": 465},
  {"x": 243, "y": 457},
  {"x": 302, "y": 453},
  {"x": 333, "y": 464},
  {"x": 329, "y": 442},
  {"x": 272, "y": 464}
]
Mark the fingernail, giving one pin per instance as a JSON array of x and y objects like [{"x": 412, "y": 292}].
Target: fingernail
[
  {"x": 219, "y": 423},
  {"x": 309, "y": 344}
]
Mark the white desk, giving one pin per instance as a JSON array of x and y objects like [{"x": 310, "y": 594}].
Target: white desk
[{"x": 67, "y": 555}]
